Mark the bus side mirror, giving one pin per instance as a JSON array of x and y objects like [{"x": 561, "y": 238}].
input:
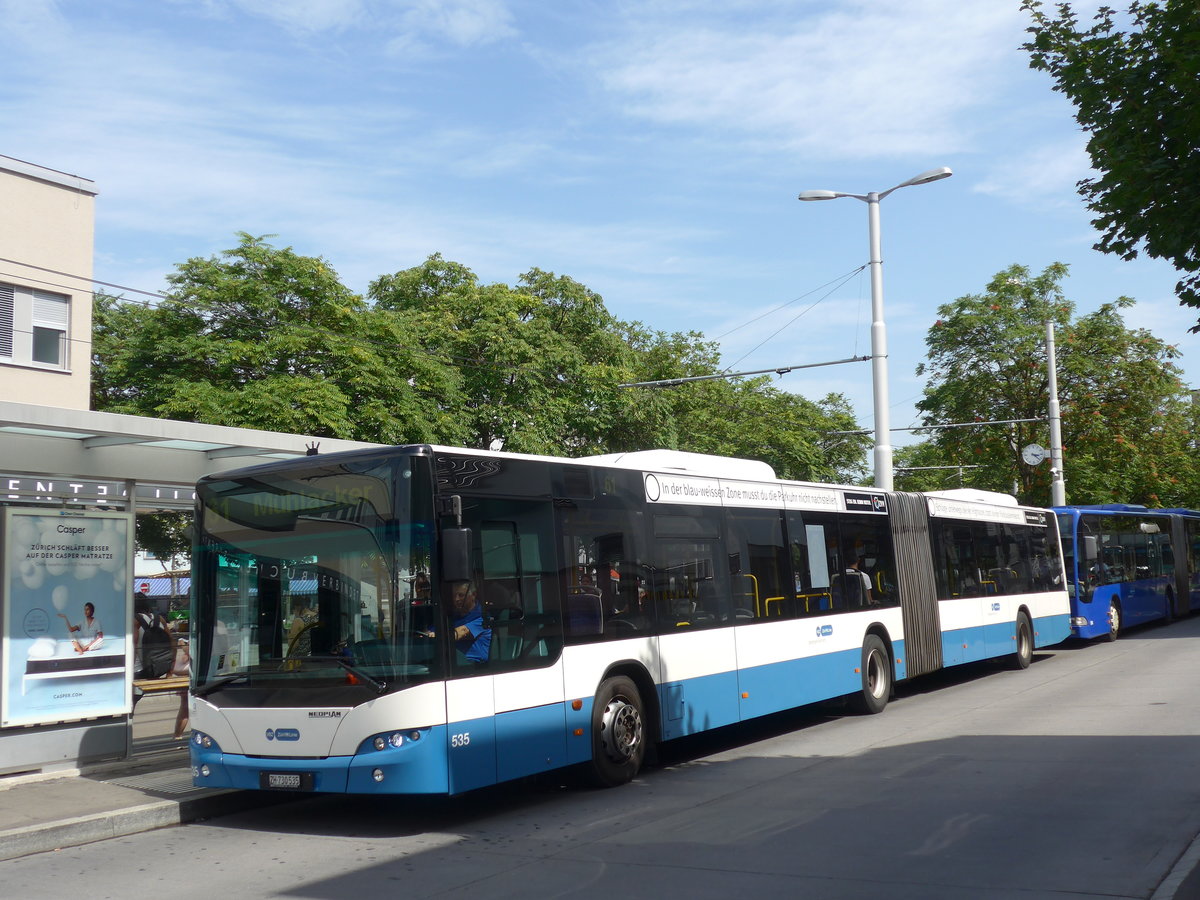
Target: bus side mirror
[
  {"x": 1090, "y": 548},
  {"x": 456, "y": 554}
]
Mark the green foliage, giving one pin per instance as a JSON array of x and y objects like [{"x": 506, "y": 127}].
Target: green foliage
[
  {"x": 536, "y": 362},
  {"x": 262, "y": 337},
  {"x": 1127, "y": 419},
  {"x": 166, "y": 534},
  {"x": 922, "y": 467},
  {"x": 1136, "y": 93}
]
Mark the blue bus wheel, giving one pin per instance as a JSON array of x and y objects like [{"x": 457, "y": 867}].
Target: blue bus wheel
[{"x": 1114, "y": 621}]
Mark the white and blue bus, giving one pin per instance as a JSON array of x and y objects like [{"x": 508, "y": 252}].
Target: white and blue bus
[
  {"x": 1129, "y": 565},
  {"x": 431, "y": 620}
]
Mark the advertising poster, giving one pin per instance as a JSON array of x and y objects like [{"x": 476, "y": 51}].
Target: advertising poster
[{"x": 67, "y": 614}]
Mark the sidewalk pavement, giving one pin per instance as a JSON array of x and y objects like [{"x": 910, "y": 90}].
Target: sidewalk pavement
[{"x": 151, "y": 789}]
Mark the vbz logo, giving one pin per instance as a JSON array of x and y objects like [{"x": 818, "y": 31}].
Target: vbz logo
[
  {"x": 995, "y": 607},
  {"x": 824, "y": 630}
]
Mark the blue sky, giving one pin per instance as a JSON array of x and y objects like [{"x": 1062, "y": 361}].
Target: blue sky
[{"x": 651, "y": 150}]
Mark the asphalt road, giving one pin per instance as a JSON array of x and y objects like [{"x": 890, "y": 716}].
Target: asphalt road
[{"x": 1076, "y": 778}]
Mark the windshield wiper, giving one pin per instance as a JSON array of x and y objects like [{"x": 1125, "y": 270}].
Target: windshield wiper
[
  {"x": 219, "y": 683},
  {"x": 380, "y": 686}
]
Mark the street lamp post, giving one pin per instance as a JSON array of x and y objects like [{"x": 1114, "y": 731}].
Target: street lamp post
[{"x": 879, "y": 352}]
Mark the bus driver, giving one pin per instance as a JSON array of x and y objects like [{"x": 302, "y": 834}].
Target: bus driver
[{"x": 471, "y": 637}]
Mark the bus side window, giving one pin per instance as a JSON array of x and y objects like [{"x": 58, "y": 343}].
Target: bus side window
[
  {"x": 516, "y": 582},
  {"x": 812, "y": 538}
]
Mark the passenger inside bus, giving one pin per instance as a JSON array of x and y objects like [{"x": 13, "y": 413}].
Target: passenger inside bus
[{"x": 856, "y": 585}]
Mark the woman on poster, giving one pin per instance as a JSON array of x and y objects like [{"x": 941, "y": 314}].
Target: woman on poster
[{"x": 91, "y": 634}]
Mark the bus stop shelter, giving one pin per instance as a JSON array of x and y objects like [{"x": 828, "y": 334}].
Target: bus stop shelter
[{"x": 71, "y": 482}]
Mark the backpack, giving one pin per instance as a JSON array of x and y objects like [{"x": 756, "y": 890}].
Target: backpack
[{"x": 157, "y": 654}]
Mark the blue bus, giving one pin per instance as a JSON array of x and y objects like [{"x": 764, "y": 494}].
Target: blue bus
[
  {"x": 425, "y": 619},
  {"x": 1128, "y": 565}
]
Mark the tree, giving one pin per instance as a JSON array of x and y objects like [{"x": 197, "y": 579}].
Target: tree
[
  {"x": 265, "y": 338},
  {"x": 1124, "y": 407},
  {"x": 536, "y": 363},
  {"x": 1136, "y": 93},
  {"x": 165, "y": 533},
  {"x": 262, "y": 337},
  {"x": 923, "y": 467}
]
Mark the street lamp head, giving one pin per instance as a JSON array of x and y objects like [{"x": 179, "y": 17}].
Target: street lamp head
[
  {"x": 925, "y": 177},
  {"x": 818, "y": 195}
]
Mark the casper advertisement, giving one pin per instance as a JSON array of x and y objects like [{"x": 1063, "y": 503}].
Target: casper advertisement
[{"x": 67, "y": 615}]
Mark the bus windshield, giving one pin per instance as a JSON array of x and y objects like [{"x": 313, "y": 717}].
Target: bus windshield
[{"x": 315, "y": 577}]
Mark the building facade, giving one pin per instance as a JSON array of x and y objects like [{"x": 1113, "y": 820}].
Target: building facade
[{"x": 46, "y": 239}]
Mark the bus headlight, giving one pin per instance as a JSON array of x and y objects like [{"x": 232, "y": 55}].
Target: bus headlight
[
  {"x": 394, "y": 740},
  {"x": 200, "y": 739}
]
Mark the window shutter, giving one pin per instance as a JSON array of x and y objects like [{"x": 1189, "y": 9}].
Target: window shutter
[
  {"x": 6, "y": 320},
  {"x": 51, "y": 310}
]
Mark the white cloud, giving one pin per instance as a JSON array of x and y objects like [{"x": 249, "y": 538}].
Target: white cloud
[
  {"x": 861, "y": 79},
  {"x": 306, "y": 16},
  {"x": 1042, "y": 176},
  {"x": 465, "y": 23},
  {"x": 462, "y": 23}
]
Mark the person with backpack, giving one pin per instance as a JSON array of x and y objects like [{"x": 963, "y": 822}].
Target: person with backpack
[{"x": 156, "y": 641}]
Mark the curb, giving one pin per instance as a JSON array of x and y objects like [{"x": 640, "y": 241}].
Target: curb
[{"x": 73, "y": 832}]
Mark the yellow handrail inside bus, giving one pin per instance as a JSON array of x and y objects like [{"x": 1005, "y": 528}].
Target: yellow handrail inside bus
[
  {"x": 807, "y": 598},
  {"x": 754, "y": 582}
]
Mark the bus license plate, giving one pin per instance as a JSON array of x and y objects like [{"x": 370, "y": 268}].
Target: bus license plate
[{"x": 286, "y": 781}]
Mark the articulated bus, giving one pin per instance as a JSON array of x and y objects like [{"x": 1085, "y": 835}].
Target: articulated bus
[
  {"x": 422, "y": 619},
  {"x": 1129, "y": 565}
]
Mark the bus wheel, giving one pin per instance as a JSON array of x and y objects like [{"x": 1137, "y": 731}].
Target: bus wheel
[
  {"x": 1114, "y": 621},
  {"x": 618, "y": 732},
  {"x": 1024, "y": 655},
  {"x": 876, "y": 678}
]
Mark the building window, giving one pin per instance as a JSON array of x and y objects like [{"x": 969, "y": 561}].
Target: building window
[{"x": 34, "y": 326}]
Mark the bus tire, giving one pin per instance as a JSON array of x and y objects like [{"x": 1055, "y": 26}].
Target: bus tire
[
  {"x": 1114, "y": 622},
  {"x": 876, "y": 671},
  {"x": 1024, "y": 636},
  {"x": 618, "y": 732}
]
